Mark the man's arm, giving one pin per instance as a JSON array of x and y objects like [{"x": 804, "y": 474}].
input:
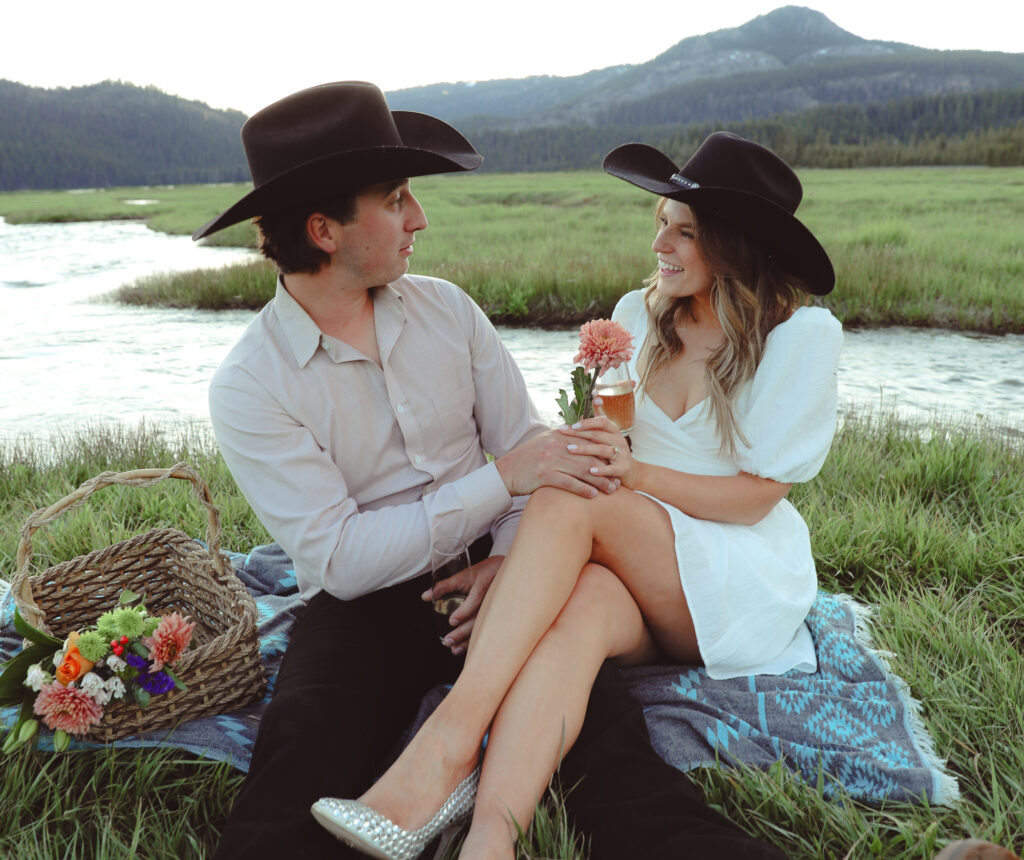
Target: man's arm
[{"x": 300, "y": 494}]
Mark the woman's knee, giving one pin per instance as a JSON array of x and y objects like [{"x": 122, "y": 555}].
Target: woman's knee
[
  {"x": 600, "y": 605},
  {"x": 557, "y": 505}
]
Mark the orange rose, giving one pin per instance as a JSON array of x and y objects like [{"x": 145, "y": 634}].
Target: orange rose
[{"x": 72, "y": 665}]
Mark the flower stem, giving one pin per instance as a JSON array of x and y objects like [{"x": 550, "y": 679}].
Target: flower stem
[{"x": 587, "y": 410}]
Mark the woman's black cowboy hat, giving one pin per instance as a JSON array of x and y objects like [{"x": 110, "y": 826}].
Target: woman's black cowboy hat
[
  {"x": 334, "y": 139},
  {"x": 743, "y": 183}
]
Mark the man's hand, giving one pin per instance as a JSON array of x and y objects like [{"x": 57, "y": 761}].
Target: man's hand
[
  {"x": 473, "y": 582},
  {"x": 548, "y": 460}
]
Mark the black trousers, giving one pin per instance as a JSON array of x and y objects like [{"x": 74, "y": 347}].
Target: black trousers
[{"x": 351, "y": 682}]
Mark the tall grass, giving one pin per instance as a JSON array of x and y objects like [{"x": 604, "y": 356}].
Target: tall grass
[
  {"x": 926, "y": 526},
  {"x": 917, "y": 246}
]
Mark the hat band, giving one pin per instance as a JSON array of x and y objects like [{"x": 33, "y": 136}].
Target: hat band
[{"x": 679, "y": 179}]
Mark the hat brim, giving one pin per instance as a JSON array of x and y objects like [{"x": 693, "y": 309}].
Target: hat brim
[
  {"x": 790, "y": 244},
  {"x": 430, "y": 147}
]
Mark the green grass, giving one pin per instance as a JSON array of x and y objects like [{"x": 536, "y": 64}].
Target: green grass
[
  {"x": 916, "y": 246},
  {"x": 926, "y": 526}
]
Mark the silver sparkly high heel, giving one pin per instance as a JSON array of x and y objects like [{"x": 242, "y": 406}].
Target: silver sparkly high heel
[{"x": 378, "y": 836}]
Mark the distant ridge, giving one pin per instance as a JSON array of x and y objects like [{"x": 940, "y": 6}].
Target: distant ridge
[
  {"x": 113, "y": 133},
  {"x": 795, "y": 55},
  {"x": 791, "y": 79}
]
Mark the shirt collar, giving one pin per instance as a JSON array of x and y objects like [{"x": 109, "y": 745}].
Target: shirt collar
[
  {"x": 302, "y": 333},
  {"x": 304, "y": 336}
]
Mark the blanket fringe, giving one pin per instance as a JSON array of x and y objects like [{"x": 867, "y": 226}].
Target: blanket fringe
[{"x": 946, "y": 787}]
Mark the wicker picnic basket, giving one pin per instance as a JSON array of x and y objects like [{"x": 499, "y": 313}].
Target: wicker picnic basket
[{"x": 174, "y": 573}]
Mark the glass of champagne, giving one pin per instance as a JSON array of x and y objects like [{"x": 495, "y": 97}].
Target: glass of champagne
[
  {"x": 615, "y": 388},
  {"x": 450, "y": 556}
]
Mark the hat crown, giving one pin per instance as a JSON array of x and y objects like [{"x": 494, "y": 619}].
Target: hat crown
[
  {"x": 727, "y": 161},
  {"x": 315, "y": 123}
]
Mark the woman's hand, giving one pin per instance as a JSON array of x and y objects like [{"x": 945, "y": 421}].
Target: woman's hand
[{"x": 599, "y": 437}]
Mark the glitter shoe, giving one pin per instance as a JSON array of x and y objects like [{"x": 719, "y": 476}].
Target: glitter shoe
[{"x": 377, "y": 836}]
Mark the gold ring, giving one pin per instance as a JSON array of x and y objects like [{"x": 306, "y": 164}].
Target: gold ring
[{"x": 616, "y": 454}]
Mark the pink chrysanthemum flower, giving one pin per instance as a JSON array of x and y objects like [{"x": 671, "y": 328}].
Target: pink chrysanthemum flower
[
  {"x": 169, "y": 640},
  {"x": 603, "y": 344},
  {"x": 68, "y": 708}
]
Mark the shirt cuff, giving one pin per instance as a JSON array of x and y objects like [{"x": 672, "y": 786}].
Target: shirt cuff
[{"x": 484, "y": 495}]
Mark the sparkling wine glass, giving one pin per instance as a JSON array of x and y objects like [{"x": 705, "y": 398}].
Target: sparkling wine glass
[
  {"x": 615, "y": 388},
  {"x": 450, "y": 556}
]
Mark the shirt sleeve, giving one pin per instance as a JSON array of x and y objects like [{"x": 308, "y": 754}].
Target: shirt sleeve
[
  {"x": 629, "y": 313},
  {"x": 504, "y": 411},
  {"x": 788, "y": 413}
]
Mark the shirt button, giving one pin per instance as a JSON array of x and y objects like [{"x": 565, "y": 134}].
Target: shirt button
[
  {"x": 418, "y": 458},
  {"x": 401, "y": 408}
]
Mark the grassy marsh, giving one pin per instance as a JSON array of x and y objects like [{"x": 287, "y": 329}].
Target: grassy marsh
[
  {"x": 933, "y": 247},
  {"x": 925, "y": 526}
]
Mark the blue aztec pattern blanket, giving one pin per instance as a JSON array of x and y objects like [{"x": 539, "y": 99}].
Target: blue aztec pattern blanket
[{"x": 851, "y": 726}]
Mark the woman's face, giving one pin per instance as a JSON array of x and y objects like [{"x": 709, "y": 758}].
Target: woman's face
[{"x": 681, "y": 267}]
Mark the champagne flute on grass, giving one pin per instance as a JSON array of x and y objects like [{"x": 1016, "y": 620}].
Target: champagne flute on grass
[
  {"x": 615, "y": 388},
  {"x": 450, "y": 556}
]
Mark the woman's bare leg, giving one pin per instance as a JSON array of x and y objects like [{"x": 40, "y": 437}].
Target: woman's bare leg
[
  {"x": 540, "y": 717},
  {"x": 558, "y": 534}
]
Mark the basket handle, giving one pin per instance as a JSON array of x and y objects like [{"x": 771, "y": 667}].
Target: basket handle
[{"x": 136, "y": 478}]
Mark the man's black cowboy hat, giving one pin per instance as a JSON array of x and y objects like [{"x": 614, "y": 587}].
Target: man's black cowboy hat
[
  {"x": 743, "y": 183},
  {"x": 334, "y": 139}
]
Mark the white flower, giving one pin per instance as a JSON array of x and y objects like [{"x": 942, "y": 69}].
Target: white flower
[
  {"x": 95, "y": 686},
  {"x": 36, "y": 677},
  {"x": 115, "y": 663},
  {"x": 58, "y": 657},
  {"x": 115, "y": 687}
]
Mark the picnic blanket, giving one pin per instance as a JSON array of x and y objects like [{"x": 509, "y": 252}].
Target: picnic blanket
[{"x": 851, "y": 727}]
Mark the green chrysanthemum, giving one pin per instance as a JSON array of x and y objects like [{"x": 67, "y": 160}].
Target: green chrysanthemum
[
  {"x": 150, "y": 625},
  {"x": 93, "y": 646},
  {"x": 106, "y": 625},
  {"x": 129, "y": 622}
]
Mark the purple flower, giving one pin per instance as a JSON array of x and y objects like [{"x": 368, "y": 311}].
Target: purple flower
[{"x": 155, "y": 683}]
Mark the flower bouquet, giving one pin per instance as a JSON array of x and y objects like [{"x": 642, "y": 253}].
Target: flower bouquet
[
  {"x": 604, "y": 345},
  {"x": 126, "y": 654}
]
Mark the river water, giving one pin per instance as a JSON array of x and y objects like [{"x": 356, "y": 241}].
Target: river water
[{"x": 68, "y": 357}]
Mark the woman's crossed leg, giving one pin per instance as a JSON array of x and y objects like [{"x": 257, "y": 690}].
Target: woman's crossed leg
[{"x": 549, "y": 620}]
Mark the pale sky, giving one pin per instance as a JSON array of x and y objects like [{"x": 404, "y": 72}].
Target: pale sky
[{"x": 238, "y": 55}]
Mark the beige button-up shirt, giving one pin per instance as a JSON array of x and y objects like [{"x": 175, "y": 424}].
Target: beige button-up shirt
[{"x": 356, "y": 469}]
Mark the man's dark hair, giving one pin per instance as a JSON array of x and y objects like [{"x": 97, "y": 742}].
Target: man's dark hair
[{"x": 283, "y": 234}]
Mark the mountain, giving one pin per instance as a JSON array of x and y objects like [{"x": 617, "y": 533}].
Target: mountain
[
  {"x": 113, "y": 134},
  {"x": 791, "y": 59}
]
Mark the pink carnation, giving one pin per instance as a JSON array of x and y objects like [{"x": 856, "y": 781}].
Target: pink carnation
[
  {"x": 603, "y": 344},
  {"x": 170, "y": 640},
  {"x": 68, "y": 708}
]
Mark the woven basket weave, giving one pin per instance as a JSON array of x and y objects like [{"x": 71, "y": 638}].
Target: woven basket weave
[{"x": 174, "y": 573}]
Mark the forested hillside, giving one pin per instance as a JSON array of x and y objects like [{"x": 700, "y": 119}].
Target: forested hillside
[
  {"x": 113, "y": 134},
  {"x": 976, "y": 128}
]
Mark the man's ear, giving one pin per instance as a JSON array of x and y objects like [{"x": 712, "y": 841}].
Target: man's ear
[{"x": 321, "y": 231}]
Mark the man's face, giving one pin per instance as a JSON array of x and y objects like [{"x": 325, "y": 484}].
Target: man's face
[{"x": 375, "y": 247}]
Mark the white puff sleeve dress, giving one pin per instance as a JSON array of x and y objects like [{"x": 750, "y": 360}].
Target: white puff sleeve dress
[{"x": 749, "y": 588}]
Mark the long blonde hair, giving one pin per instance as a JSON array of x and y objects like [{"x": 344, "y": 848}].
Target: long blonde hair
[{"x": 749, "y": 296}]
